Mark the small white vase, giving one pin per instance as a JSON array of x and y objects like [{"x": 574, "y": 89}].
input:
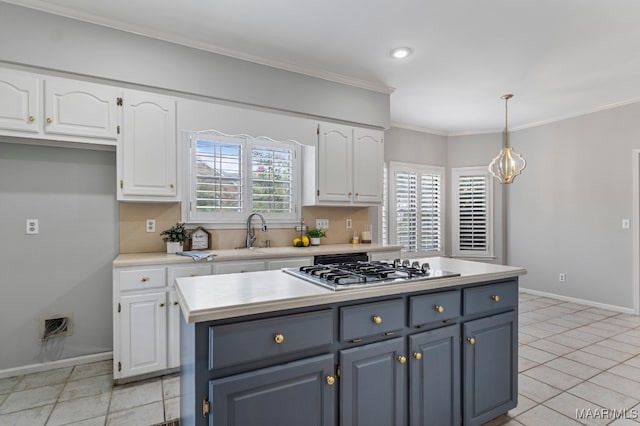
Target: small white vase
[
  {"x": 314, "y": 241},
  {"x": 173, "y": 247}
]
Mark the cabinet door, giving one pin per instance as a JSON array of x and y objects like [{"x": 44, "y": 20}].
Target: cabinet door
[
  {"x": 294, "y": 394},
  {"x": 435, "y": 377},
  {"x": 368, "y": 159},
  {"x": 77, "y": 108},
  {"x": 490, "y": 362},
  {"x": 335, "y": 163},
  {"x": 19, "y": 102},
  {"x": 143, "y": 333},
  {"x": 149, "y": 154},
  {"x": 373, "y": 384},
  {"x": 173, "y": 331}
]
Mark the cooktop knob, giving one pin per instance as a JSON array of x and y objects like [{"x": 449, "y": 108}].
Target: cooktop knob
[{"x": 425, "y": 267}]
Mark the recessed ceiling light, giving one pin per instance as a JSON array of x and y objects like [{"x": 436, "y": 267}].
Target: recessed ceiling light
[{"x": 401, "y": 52}]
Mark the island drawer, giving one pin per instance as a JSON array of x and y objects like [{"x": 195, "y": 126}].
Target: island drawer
[
  {"x": 244, "y": 342},
  {"x": 434, "y": 307},
  {"x": 371, "y": 319},
  {"x": 140, "y": 279},
  {"x": 490, "y": 297}
]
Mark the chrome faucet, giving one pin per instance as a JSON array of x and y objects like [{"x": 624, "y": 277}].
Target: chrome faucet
[{"x": 251, "y": 232}]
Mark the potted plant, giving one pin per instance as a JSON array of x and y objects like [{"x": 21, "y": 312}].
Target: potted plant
[
  {"x": 175, "y": 237},
  {"x": 315, "y": 234}
]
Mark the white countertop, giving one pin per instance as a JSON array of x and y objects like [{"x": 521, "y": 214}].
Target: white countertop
[
  {"x": 139, "y": 259},
  {"x": 215, "y": 297}
]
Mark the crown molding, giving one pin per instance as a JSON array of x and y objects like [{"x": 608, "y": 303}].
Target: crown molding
[
  {"x": 208, "y": 47},
  {"x": 418, "y": 128}
]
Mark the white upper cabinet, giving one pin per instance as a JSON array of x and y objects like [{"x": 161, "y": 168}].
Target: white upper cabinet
[
  {"x": 77, "y": 108},
  {"x": 58, "y": 109},
  {"x": 368, "y": 165},
  {"x": 345, "y": 168},
  {"x": 147, "y": 160},
  {"x": 20, "y": 103}
]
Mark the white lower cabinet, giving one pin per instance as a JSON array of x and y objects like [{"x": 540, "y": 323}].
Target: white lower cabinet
[
  {"x": 292, "y": 262},
  {"x": 234, "y": 266},
  {"x": 143, "y": 335},
  {"x": 146, "y": 324}
]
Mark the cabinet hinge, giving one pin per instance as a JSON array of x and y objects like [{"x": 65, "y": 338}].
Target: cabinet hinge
[
  {"x": 338, "y": 370},
  {"x": 206, "y": 407},
  {"x": 318, "y": 192},
  {"x": 119, "y": 307},
  {"x": 119, "y": 101},
  {"x": 318, "y": 130},
  {"x": 119, "y": 366},
  {"x": 121, "y": 184},
  {"x": 118, "y": 129}
]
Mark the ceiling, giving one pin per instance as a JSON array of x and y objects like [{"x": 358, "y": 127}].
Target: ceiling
[{"x": 559, "y": 58}]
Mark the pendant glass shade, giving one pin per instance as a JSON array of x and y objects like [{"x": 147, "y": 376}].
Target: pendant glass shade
[{"x": 507, "y": 164}]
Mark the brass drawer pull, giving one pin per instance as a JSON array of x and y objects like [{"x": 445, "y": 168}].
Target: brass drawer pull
[
  {"x": 330, "y": 380},
  {"x": 439, "y": 308},
  {"x": 162, "y": 305},
  {"x": 377, "y": 319},
  {"x": 417, "y": 355},
  {"x": 471, "y": 340},
  {"x": 175, "y": 303},
  {"x": 32, "y": 118},
  {"x": 49, "y": 120},
  {"x": 144, "y": 279},
  {"x": 495, "y": 298},
  {"x": 279, "y": 338},
  {"x": 402, "y": 359}
]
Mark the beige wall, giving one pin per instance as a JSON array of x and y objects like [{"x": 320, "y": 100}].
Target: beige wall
[{"x": 134, "y": 238}]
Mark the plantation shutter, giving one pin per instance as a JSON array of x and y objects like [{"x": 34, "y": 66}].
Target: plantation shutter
[
  {"x": 218, "y": 176},
  {"x": 415, "y": 208},
  {"x": 472, "y": 220},
  {"x": 272, "y": 179}
]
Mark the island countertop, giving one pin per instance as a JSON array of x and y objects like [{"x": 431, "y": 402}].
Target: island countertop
[{"x": 216, "y": 297}]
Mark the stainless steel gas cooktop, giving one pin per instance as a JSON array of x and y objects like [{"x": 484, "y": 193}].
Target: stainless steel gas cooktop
[{"x": 350, "y": 275}]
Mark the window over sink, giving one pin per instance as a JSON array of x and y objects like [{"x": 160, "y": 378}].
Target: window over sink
[{"x": 232, "y": 176}]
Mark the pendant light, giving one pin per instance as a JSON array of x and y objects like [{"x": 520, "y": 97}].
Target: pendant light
[{"x": 507, "y": 164}]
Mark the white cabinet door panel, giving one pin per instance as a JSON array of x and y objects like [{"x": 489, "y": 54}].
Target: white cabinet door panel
[
  {"x": 19, "y": 102},
  {"x": 173, "y": 331},
  {"x": 368, "y": 155},
  {"x": 77, "y": 108},
  {"x": 144, "y": 333},
  {"x": 335, "y": 159}
]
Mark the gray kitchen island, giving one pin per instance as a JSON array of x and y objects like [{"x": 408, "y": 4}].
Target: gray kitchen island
[{"x": 268, "y": 348}]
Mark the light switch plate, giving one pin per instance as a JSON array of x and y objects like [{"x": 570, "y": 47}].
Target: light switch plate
[
  {"x": 322, "y": 223},
  {"x": 626, "y": 223}
]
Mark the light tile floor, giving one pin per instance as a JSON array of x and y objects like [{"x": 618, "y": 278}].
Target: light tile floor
[{"x": 578, "y": 365}]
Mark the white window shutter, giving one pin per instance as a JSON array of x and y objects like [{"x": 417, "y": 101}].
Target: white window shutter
[{"x": 472, "y": 222}]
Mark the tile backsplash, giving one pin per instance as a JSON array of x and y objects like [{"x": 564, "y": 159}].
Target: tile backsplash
[{"x": 135, "y": 239}]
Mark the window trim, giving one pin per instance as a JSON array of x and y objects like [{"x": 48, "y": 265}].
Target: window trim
[
  {"x": 395, "y": 166},
  {"x": 456, "y": 174},
  {"x": 237, "y": 220}
]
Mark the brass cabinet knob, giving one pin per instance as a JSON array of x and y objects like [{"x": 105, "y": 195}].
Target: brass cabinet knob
[
  {"x": 175, "y": 303},
  {"x": 330, "y": 380},
  {"x": 471, "y": 340},
  {"x": 349, "y": 194},
  {"x": 171, "y": 185},
  {"x": 49, "y": 120},
  {"x": 402, "y": 359},
  {"x": 417, "y": 355},
  {"x": 377, "y": 319},
  {"x": 144, "y": 279},
  {"x": 162, "y": 305},
  {"x": 279, "y": 338},
  {"x": 439, "y": 308},
  {"x": 495, "y": 298},
  {"x": 357, "y": 194},
  {"x": 32, "y": 118}
]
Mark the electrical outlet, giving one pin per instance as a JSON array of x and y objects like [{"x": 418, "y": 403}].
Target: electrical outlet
[
  {"x": 562, "y": 278},
  {"x": 626, "y": 223},
  {"x": 151, "y": 225},
  {"x": 33, "y": 227},
  {"x": 348, "y": 223},
  {"x": 322, "y": 223}
]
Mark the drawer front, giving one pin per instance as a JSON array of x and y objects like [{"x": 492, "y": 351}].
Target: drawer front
[
  {"x": 289, "y": 263},
  {"x": 490, "y": 297},
  {"x": 140, "y": 279},
  {"x": 371, "y": 319},
  {"x": 233, "y": 267},
  {"x": 256, "y": 340},
  {"x": 174, "y": 272},
  {"x": 434, "y": 307}
]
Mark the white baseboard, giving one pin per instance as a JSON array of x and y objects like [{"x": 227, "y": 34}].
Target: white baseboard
[
  {"x": 581, "y": 301},
  {"x": 51, "y": 365}
]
